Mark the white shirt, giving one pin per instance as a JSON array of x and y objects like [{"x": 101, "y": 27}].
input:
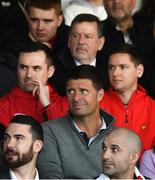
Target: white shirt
[
  {"x": 13, "y": 176},
  {"x": 93, "y": 63}
]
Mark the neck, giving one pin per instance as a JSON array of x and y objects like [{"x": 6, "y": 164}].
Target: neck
[
  {"x": 33, "y": 39},
  {"x": 125, "y": 24},
  {"x": 125, "y": 96},
  {"x": 89, "y": 124},
  {"x": 126, "y": 175},
  {"x": 25, "y": 172}
]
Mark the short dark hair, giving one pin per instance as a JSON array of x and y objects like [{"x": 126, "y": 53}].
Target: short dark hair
[
  {"x": 35, "y": 127},
  {"x": 86, "y": 72},
  {"x": 37, "y": 46},
  {"x": 45, "y": 5},
  {"x": 135, "y": 56},
  {"x": 87, "y": 18}
]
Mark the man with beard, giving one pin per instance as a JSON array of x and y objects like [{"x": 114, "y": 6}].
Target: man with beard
[
  {"x": 33, "y": 95},
  {"x": 23, "y": 140},
  {"x": 120, "y": 152}
]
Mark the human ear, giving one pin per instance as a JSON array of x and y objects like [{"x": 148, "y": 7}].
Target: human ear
[
  {"x": 51, "y": 70},
  {"x": 140, "y": 70},
  {"x": 100, "y": 43},
  {"x": 100, "y": 94}
]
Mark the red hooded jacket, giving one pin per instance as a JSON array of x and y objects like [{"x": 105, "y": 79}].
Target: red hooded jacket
[
  {"x": 19, "y": 101},
  {"x": 138, "y": 115}
]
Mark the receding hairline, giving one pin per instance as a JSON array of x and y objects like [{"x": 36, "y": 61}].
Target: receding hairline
[{"x": 131, "y": 139}]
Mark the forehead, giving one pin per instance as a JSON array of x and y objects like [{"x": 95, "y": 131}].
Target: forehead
[
  {"x": 85, "y": 27},
  {"x": 32, "y": 58},
  {"x": 114, "y": 139},
  {"x": 15, "y": 128},
  {"x": 42, "y": 13},
  {"x": 80, "y": 83},
  {"x": 119, "y": 58}
]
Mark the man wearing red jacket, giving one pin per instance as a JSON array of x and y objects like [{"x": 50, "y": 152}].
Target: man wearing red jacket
[
  {"x": 126, "y": 100},
  {"x": 33, "y": 96}
]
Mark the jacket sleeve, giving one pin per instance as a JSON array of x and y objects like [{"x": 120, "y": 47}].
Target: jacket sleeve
[
  {"x": 57, "y": 108},
  {"x": 49, "y": 162},
  {"x": 5, "y": 110}
]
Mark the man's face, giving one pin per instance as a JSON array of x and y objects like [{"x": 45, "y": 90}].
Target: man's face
[
  {"x": 43, "y": 24},
  {"x": 84, "y": 42},
  {"x": 119, "y": 9},
  {"x": 33, "y": 67},
  {"x": 18, "y": 145},
  {"x": 123, "y": 74},
  {"x": 115, "y": 156},
  {"x": 83, "y": 97}
]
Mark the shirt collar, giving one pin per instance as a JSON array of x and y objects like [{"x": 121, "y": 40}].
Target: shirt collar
[
  {"x": 101, "y": 128},
  {"x": 93, "y": 63},
  {"x": 13, "y": 176}
]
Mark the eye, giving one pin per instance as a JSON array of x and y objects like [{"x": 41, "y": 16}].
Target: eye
[
  {"x": 114, "y": 150},
  {"x": 75, "y": 35},
  {"x": 123, "y": 67},
  {"x": 89, "y": 36},
  {"x": 19, "y": 137},
  {"x": 22, "y": 67},
  {"x": 110, "y": 67},
  {"x": 104, "y": 149},
  {"x": 70, "y": 91},
  {"x": 37, "y": 68},
  {"x": 84, "y": 91},
  {"x": 33, "y": 19},
  {"x": 5, "y": 138}
]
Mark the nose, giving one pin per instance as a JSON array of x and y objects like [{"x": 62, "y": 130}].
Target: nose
[
  {"x": 10, "y": 143},
  {"x": 81, "y": 39},
  {"x": 116, "y": 71},
  {"x": 106, "y": 155},
  {"x": 40, "y": 25},
  {"x": 76, "y": 96},
  {"x": 29, "y": 73}
]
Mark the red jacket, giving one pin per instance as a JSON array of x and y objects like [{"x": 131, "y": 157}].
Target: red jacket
[
  {"x": 19, "y": 101},
  {"x": 138, "y": 115}
]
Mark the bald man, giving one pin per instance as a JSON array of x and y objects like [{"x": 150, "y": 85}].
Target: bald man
[{"x": 120, "y": 152}]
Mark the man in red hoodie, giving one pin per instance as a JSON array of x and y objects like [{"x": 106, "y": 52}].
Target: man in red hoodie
[
  {"x": 33, "y": 96},
  {"x": 127, "y": 101}
]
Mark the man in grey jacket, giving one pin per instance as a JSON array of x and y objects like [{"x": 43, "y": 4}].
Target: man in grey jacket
[{"x": 72, "y": 144}]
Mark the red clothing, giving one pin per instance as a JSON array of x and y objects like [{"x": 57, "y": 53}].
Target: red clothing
[
  {"x": 19, "y": 101},
  {"x": 138, "y": 115}
]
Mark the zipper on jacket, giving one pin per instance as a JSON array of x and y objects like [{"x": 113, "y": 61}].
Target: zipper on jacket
[{"x": 126, "y": 113}]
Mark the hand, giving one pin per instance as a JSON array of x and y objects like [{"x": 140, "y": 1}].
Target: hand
[{"x": 42, "y": 91}]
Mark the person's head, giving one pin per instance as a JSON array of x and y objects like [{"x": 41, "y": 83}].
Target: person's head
[
  {"x": 120, "y": 151},
  {"x": 23, "y": 140},
  {"x": 85, "y": 38},
  {"x": 84, "y": 90},
  {"x": 35, "y": 63},
  {"x": 124, "y": 68},
  {"x": 44, "y": 17},
  {"x": 119, "y": 10}
]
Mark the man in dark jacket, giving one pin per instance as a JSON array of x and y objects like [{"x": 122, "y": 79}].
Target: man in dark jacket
[
  {"x": 44, "y": 21},
  {"x": 84, "y": 43}
]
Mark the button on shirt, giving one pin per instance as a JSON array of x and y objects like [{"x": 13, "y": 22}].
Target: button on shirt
[{"x": 90, "y": 140}]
